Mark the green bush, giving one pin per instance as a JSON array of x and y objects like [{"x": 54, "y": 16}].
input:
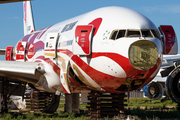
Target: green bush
[
  {"x": 8, "y": 117},
  {"x": 30, "y": 116}
]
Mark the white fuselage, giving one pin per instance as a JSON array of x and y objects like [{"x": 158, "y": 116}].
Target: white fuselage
[{"x": 104, "y": 60}]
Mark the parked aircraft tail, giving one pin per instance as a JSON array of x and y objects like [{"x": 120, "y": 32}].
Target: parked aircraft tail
[{"x": 28, "y": 18}]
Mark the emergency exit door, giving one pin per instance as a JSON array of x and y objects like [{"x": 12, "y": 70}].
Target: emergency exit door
[
  {"x": 21, "y": 51},
  {"x": 51, "y": 45},
  {"x": 82, "y": 42}
]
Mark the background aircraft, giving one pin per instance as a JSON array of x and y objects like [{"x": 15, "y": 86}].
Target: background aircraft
[{"x": 156, "y": 89}]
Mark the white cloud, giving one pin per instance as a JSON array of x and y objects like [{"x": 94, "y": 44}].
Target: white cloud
[
  {"x": 163, "y": 8},
  {"x": 15, "y": 17}
]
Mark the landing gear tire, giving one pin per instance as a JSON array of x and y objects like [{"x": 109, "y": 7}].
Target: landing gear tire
[
  {"x": 42, "y": 101},
  {"x": 172, "y": 85},
  {"x": 53, "y": 105},
  {"x": 155, "y": 90}
]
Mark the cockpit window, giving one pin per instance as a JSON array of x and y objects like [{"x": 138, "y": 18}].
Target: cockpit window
[
  {"x": 155, "y": 33},
  {"x": 116, "y": 34},
  {"x": 133, "y": 33},
  {"x": 120, "y": 34},
  {"x": 146, "y": 33}
]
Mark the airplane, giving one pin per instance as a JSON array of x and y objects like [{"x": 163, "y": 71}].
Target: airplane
[
  {"x": 156, "y": 88},
  {"x": 110, "y": 50},
  {"x": 160, "y": 86}
]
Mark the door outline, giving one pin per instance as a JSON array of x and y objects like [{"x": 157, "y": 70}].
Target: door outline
[
  {"x": 50, "y": 46},
  {"x": 83, "y": 39},
  {"x": 21, "y": 51}
]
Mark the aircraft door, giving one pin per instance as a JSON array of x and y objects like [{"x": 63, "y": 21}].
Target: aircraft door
[
  {"x": 82, "y": 42},
  {"x": 30, "y": 51},
  {"x": 170, "y": 45},
  {"x": 21, "y": 51},
  {"x": 9, "y": 53},
  {"x": 50, "y": 48}
]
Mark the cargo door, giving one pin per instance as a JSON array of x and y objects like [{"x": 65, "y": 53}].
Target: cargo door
[
  {"x": 82, "y": 42},
  {"x": 21, "y": 51},
  {"x": 51, "y": 45},
  {"x": 170, "y": 45}
]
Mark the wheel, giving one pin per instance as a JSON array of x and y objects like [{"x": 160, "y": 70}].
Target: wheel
[
  {"x": 172, "y": 85},
  {"x": 155, "y": 90}
]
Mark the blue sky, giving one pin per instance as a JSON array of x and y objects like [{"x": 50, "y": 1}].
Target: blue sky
[{"x": 49, "y": 12}]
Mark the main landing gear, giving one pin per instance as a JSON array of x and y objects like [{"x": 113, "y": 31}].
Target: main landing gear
[
  {"x": 35, "y": 100},
  {"x": 100, "y": 105},
  {"x": 41, "y": 101}
]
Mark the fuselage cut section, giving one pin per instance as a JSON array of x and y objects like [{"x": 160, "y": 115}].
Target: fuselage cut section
[{"x": 111, "y": 49}]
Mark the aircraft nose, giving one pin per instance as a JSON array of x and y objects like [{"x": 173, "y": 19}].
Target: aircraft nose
[{"x": 143, "y": 54}]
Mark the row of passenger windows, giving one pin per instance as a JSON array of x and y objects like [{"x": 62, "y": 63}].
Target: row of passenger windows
[{"x": 116, "y": 34}]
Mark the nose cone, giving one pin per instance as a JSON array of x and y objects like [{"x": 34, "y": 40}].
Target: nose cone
[{"x": 143, "y": 55}]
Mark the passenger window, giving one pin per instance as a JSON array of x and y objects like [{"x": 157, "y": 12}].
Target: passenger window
[
  {"x": 146, "y": 33},
  {"x": 133, "y": 33}
]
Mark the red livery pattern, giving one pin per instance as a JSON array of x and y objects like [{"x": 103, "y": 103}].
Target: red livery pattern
[
  {"x": 96, "y": 23},
  {"x": 25, "y": 7}
]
